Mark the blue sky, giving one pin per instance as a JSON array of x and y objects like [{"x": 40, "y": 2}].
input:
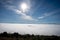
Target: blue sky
[{"x": 40, "y": 11}]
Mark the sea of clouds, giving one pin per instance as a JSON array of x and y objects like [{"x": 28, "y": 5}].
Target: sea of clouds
[{"x": 36, "y": 29}]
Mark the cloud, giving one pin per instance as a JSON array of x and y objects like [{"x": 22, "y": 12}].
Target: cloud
[
  {"x": 27, "y": 17},
  {"x": 23, "y": 15},
  {"x": 48, "y": 14},
  {"x": 8, "y": 4},
  {"x": 44, "y": 15},
  {"x": 37, "y": 29}
]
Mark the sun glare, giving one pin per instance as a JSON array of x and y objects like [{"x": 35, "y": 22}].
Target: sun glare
[{"x": 24, "y": 7}]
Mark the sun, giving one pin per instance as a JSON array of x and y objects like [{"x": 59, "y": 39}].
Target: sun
[{"x": 24, "y": 7}]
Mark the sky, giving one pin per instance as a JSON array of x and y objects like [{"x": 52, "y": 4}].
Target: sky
[
  {"x": 39, "y": 17},
  {"x": 37, "y": 11}
]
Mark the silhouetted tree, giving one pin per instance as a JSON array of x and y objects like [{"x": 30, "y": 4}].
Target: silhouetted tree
[
  {"x": 16, "y": 35},
  {"x": 4, "y": 34}
]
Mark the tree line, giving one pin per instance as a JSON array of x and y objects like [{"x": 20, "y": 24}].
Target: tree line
[{"x": 17, "y": 36}]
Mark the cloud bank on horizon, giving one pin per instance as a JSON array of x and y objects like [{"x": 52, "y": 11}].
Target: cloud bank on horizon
[
  {"x": 34, "y": 11},
  {"x": 36, "y": 29}
]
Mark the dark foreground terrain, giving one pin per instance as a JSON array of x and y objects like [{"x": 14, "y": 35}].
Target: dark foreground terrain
[{"x": 16, "y": 36}]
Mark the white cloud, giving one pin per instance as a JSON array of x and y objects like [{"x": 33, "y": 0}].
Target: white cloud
[
  {"x": 48, "y": 14},
  {"x": 41, "y": 17},
  {"x": 23, "y": 15},
  {"x": 27, "y": 17},
  {"x": 40, "y": 29},
  {"x": 45, "y": 15},
  {"x": 8, "y": 5}
]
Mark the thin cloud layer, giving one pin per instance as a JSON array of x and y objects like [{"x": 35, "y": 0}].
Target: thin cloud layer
[
  {"x": 13, "y": 8},
  {"x": 23, "y": 15},
  {"x": 48, "y": 14}
]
